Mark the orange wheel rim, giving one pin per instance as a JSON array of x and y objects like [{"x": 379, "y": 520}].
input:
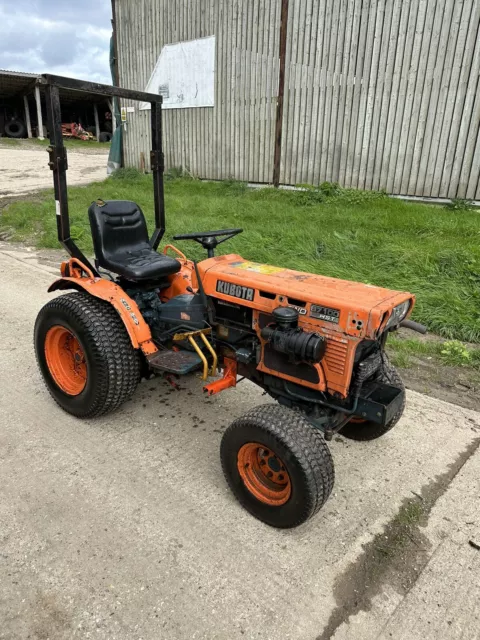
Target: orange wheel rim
[
  {"x": 65, "y": 360},
  {"x": 264, "y": 474}
]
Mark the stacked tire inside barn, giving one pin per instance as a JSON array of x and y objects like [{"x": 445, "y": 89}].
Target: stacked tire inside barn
[{"x": 15, "y": 128}]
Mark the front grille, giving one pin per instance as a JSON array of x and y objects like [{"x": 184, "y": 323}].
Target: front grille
[{"x": 336, "y": 355}]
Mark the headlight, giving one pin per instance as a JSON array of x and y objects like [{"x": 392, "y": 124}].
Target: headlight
[{"x": 398, "y": 314}]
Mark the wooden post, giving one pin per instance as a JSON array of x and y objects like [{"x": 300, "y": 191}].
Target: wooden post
[
  {"x": 27, "y": 117},
  {"x": 39, "y": 113},
  {"x": 97, "y": 124},
  {"x": 114, "y": 122},
  {"x": 116, "y": 79},
  {"x": 281, "y": 89}
]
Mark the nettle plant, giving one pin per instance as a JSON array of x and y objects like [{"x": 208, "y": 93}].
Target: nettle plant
[{"x": 455, "y": 352}]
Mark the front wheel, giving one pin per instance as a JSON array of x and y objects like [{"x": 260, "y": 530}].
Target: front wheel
[
  {"x": 85, "y": 355},
  {"x": 363, "y": 430},
  {"x": 278, "y": 465}
]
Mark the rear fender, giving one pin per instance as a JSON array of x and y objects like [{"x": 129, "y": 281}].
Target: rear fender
[{"x": 137, "y": 328}]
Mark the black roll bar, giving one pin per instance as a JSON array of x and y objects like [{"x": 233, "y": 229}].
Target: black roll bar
[{"x": 58, "y": 154}]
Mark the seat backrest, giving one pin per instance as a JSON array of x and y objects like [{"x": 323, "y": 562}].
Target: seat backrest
[{"x": 117, "y": 226}]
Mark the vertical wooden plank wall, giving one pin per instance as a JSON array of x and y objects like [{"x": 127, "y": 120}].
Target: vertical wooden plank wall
[
  {"x": 382, "y": 94},
  {"x": 379, "y": 94},
  {"x": 235, "y": 138}
]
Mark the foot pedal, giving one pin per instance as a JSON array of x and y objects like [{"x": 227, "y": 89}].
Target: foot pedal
[{"x": 180, "y": 362}]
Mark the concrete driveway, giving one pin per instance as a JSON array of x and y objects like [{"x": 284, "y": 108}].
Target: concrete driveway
[
  {"x": 24, "y": 168},
  {"x": 123, "y": 527}
]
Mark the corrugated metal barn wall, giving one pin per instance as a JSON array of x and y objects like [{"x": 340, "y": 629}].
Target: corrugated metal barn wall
[{"x": 379, "y": 94}]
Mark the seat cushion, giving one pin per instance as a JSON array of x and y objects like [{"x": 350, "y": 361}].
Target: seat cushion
[
  {"x": 142, "y": 264},
  {"x": 120, "y": 239}
]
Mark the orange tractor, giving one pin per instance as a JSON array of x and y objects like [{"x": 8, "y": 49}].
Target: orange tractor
[{"x": 316, "y": 345}]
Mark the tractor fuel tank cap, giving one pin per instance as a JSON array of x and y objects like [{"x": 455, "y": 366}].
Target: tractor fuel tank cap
[{"x": 285, "y": 317}]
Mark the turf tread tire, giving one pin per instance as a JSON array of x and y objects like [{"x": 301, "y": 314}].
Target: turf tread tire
[
  {"x": 107, "y": 347},
  {"x": 363, "y": 432},
  {"x": 307, "y": 451}
]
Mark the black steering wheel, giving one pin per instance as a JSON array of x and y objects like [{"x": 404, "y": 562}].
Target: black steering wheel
[{"x": 209, "y": 239}]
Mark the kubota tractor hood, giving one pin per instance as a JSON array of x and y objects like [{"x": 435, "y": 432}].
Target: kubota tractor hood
[{"x": 296, "y": 285}]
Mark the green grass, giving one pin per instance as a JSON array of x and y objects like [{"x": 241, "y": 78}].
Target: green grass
[
  {"x": 70, "y": 144},
  {"x": 428, "y": 250},
  {"x": 398, "y": 534},
  {"x": 11, "y": 142},
  {"x": 451, "y": 352},
  {"x": 73, "y": 143}
]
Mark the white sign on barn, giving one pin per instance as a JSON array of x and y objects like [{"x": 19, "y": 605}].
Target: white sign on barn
[{"x": 184, "y": 75}]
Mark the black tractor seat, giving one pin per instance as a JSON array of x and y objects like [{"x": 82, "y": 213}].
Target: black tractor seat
[{"x": 120, "y": 240}]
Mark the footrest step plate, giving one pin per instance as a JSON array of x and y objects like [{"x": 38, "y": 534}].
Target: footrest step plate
[{"x": 179, "y": 362}]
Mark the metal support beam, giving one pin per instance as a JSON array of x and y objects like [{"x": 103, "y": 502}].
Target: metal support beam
[
  {"x": 97, "y": 123},
  {"x": 58, "y": 154},
  {"x": 39, "y": 113},
  {"x": 98, "y": 89},
  {"x": 157, "y": 170},
  {"x": 58, "y": 164},
  {"x": 27, "y": 116},
  {"x": 281, "y": 89}
]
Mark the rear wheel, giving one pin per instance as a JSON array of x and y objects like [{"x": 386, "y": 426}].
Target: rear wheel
[
  {"x": 278, "y": 466},
  {"x": 85, "y": 355},
  {"x": 363, "y": 430}
]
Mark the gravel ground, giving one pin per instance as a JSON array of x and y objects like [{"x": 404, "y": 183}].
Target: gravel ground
[{"x": 24, "y": 168}]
